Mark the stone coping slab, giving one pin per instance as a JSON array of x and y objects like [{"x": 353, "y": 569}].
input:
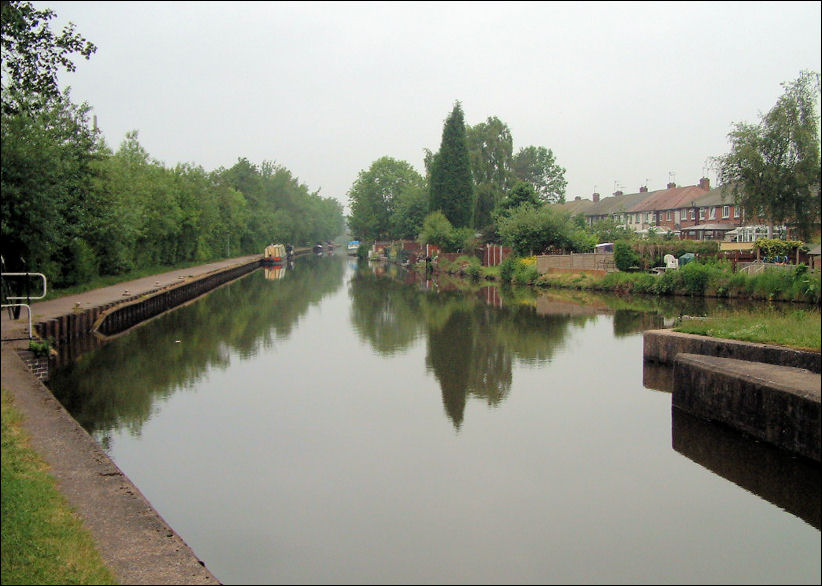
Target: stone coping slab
[{"x": 663, "y": 346}]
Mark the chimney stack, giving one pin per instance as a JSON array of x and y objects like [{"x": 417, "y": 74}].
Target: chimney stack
[
  {"x": 705, "y": 183},
  {"x": 643, "y": 189},
  {"x": 671, "y": 185},
  {"x": 596, "y": 197}
]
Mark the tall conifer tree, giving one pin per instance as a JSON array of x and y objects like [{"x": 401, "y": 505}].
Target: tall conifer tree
[{"x": 451, "y": 183}]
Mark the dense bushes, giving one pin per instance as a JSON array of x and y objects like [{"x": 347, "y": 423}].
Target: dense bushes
[
  {"x": 714, "y": 279},
  {"x": 462, "y": 265},
  {"x": 709, "y": 277},
  {"x": 522, "y": 271}
]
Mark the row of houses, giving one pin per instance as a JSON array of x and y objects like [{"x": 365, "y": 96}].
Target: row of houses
[{"x": 694, "y": 212}]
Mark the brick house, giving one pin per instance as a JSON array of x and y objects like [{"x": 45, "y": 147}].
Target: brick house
[{"x": 694, "y": 211}]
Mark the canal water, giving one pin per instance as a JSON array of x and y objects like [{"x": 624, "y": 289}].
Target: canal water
[{"x": 325, "y": 424}]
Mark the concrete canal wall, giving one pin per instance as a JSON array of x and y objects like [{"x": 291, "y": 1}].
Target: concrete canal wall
[
  {"x": 662, "y": 346},
  {"x": 72, "y": 333},
  {"x": 768, "y": 392},
  {"x": 125, "y": 316},
  {"x": 777, "y": 404}
]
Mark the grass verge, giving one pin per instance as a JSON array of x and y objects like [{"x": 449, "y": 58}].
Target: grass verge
[
  {"x": 798, "y": 329},
  {"x": 43, "y": 540}
]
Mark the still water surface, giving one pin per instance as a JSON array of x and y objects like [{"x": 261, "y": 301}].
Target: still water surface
[{"x": 338, "y": 426}]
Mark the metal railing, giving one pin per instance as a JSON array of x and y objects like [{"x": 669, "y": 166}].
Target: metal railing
[{"x": 26, "y": 297}]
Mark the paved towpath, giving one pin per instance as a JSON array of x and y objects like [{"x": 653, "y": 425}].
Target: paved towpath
[
  {"x": 133, "y": 539},
  {"x": 44, "y": 310}
]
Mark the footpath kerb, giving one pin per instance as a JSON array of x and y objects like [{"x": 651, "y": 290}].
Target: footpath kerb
[{"x": 132, "y": 537}]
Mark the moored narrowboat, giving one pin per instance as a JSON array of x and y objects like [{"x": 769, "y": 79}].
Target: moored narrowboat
[{"x": 274, "y": 254}]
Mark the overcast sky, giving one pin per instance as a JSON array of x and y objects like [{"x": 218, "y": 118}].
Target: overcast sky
[{"x": 624, "y": 94}]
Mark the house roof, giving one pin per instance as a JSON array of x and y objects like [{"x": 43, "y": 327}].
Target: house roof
[
  {"x": 721, "y": 195},
  {"x": 648, "y": 201},
  {"x": 576, "y": 207},
  {"x": 669, "y": 199},
  {"x": 616, "y": 204}
]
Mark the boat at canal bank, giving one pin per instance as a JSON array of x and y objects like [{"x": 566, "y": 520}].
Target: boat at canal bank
[{"x": 275, "y": 254}]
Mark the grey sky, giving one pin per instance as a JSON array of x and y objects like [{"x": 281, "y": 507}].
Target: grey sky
[{"x": 623, "y": 93}]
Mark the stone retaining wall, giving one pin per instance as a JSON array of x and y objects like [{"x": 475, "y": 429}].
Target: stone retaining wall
[
  {"x": 72, "y": 334},
  {"x": 777, "y": 404},
  {"x": 127, "y": 315},
  {"x": 663, "y": 346}
]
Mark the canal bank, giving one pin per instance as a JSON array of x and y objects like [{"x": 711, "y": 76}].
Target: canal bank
[
  {"x": 133, "y": 539},
  {"x": 767, "y": 392}
]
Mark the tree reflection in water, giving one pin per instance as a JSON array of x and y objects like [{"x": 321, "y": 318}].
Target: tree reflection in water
[{"x": 471, "y": 345}]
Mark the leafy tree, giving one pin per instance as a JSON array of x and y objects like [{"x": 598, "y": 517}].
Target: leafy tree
[
  {"x": 451, "y": 185},
  {"x": 410, "y": 209},
  {"x": 609, "y": 230},
  {"x": 437, "y": 230},
  {"x": 490, "y": 150},
  {"x": 33, "y": 55},
  {"x": 538, "y": 166},
  {"x": 46, "y": 180},
  {"x": 773, "y": 169},
  {"x": 529, "y": 229},
  {"x": 276, "y": 207},
  {"x": 376, "y": 195},
  {"x": 245, "y": 177},
  {"x": 73, "y": 209},
  {"x": 522, "y": 193}
]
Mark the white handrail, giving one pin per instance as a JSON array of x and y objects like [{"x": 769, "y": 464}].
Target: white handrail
[
  {"x": 28, "y": 297},
  {"x": 5, "y": 305},
  {"x": 27, "y": 275}
]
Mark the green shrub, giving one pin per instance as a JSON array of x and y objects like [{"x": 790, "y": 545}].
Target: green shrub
[
  {"x": 507, "y": 268},
  {"x": 474, "y": 269},
  {"x": 625, "y": 257},
  {"x": 618, "y": 282},
  {"x": 772, "y": 247},
  {"x": 771, "y": 284},
  {"x": 695, "y": 278},
  {"x": 644, "y": 283},
  {"x": 525, "y": 274},
  {"x": 83, "y": 263},
  {"x": 811, "y": 286},
  {"x": 739, "y": 285},
  {"x": 40, "y": 348},
  {"x": 664, "y": 285}
]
